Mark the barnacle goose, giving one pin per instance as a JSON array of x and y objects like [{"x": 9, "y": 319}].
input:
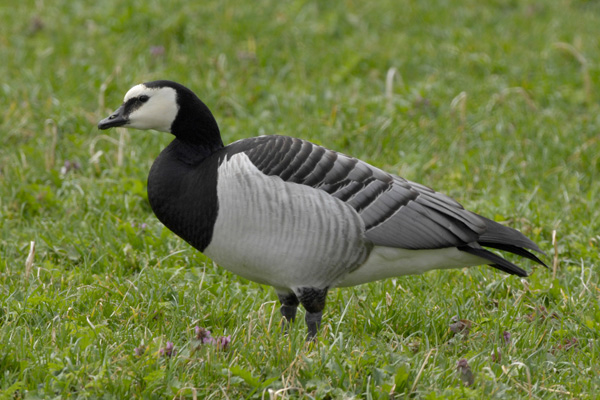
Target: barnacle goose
[{"x": 285, "y": 212}]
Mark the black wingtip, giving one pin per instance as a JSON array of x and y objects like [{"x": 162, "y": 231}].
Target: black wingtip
[{"x": 499, "y": 235}]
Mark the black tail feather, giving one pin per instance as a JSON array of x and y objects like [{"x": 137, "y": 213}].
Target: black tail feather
[
  {"x": 515, "y": 250},
  {"x": 497, "y": 261}
]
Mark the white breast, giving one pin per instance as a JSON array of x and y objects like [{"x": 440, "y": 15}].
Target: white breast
[{"x": 282, "y": 234}]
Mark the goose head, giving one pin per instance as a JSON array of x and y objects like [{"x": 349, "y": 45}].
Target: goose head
[
  {"x": 145, "y": 106},
  {"x": 166, "y": 106}
]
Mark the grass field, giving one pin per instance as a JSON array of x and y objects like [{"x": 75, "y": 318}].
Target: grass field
[{"x": 494, "y": 103}]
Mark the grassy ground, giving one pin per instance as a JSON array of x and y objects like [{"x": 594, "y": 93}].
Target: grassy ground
[{"x": 495, "y": 104}]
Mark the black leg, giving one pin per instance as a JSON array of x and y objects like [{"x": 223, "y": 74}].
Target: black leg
[
  {"x": 289, "y": 305},
  {"x": 313, "y": 300},
  {"x": 313, "y": 322}
]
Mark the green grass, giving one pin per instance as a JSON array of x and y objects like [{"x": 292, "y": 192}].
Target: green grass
[{"x": 495, "y": 104}]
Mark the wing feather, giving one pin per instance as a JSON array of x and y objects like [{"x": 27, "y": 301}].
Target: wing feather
[{"x": 288, "y": 152}]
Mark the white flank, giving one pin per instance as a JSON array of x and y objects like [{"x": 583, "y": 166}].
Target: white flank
[
  {"x": 388, "y": 262},
  {"x": 282, "y": 234}
]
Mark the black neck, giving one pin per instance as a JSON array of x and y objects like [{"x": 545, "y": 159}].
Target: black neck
[
  {"x": 195, "y": 129},
  {"x": 193, "y": 153},
  {"x": 195, "y": 124}
]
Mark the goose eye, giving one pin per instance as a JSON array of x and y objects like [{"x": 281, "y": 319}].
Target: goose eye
[{"x": 143, "y": 98}]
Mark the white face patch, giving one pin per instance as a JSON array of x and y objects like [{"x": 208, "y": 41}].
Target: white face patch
[{"x": 158, "y": 112}]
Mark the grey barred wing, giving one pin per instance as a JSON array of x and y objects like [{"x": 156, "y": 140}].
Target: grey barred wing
[{"x": 395, "y": 212}]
